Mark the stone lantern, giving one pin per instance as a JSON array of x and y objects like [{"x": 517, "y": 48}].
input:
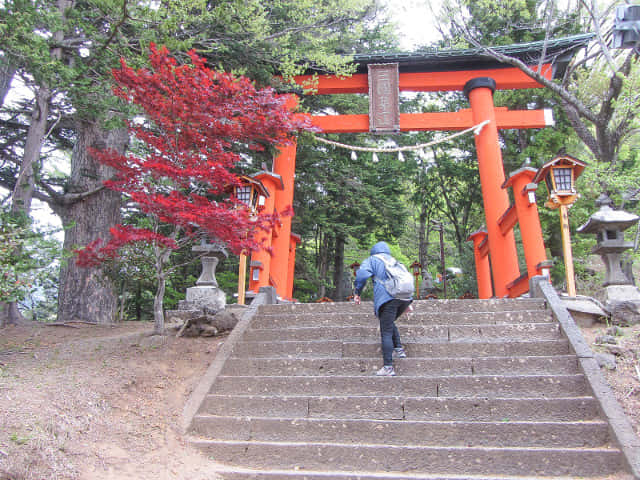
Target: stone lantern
[
  {"x": 206, "y": 296},
  {"x": 609, "y": 226},
  {"x": 206, "y": 293}
]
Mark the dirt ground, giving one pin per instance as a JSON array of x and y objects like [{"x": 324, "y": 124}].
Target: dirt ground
[
  {"x": 105, "y": 403},
  {"x": 98, "y": 403}
]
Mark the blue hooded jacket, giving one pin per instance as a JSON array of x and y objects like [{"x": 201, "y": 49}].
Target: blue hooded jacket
[{"x": 374, "y": 267}]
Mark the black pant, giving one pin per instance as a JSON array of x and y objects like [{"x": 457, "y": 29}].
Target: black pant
[{"x": 390, "y": 337}]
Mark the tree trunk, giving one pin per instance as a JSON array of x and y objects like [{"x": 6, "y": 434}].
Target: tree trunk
[
  {"x": 6, "y": 75},
  {"x": 123, "y": 300},
  {"x": 86, "y": 293},
  {"x": 338, "y": 273},
  {"x": 158, "y": 306},
  {"x": 139, "y": 301},
  {"x": 323, "y": 264},
  {"x": 162, "y": 257},
  {"x": 10, "y": 315},
  {"x": 23, "y": 191},
  {"x": 423, "y": 238}
]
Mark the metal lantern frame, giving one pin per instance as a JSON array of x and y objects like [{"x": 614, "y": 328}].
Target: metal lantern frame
[
  {"x": 416, "y": 267},
  {"x": 560, "y": 175},
  {"x": 252, "y": 193}
]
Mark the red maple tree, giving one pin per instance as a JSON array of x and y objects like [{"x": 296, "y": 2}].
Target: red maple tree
[{"x": 197, "y": 123}]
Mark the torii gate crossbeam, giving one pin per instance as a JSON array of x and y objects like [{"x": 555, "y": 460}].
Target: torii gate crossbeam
[{"x": 478, "y": 76}]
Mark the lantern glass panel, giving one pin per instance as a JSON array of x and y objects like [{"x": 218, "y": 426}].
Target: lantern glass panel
[
  {"x": 244, "y": 194},
  {"x": 562, "y": 177}
]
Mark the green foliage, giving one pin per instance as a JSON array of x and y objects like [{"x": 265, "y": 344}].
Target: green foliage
[
  {"x": 304, "y": 290},
  {"x": 259, "y": 38},
  {"x": 27, "y": 260},
  {"x": 227, "y": 276}
]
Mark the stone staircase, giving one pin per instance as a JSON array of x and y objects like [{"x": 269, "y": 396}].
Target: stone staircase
[{"x": 490, "y": 390}]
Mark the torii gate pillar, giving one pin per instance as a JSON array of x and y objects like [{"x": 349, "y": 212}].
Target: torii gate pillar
[
  {"x": 502, "y": 247},
  {"x": 284, "y": 164}
]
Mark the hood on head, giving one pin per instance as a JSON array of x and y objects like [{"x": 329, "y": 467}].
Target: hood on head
[{"x": 380, "y": 247}]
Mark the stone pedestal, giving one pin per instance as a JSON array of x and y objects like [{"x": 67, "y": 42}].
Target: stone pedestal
[
  {"x": 208, "y": 275},
  {"x": 622, "y": 293},
  {"x": 204, "y": 296}
]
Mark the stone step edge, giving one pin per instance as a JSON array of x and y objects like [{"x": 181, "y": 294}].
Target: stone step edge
[
  {"x": 569, "y": 356},
  {"x": 375, "y": 326},
  {"x": 560, "y": 376},
  {"x": 420, "y": 422},
  {"x": 367, "y": 475},
  {"x": 196, "y": 441},
  {"x": 403, "y": 397},
  {"x": 481, "y": 340},
  {"x": 368, "y": 311}
]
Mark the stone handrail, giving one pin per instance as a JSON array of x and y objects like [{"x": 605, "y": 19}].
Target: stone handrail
[
  {"x": 265, "y": 296},
  {"x": 620, "y": 428}
]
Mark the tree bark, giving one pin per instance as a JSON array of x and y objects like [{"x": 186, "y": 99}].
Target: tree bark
[
  {"x": 338, "y": 272},
  {"x": 423, "y": 237},
  {"x": 87, "y": 294},
  {"x": 162, "y": 255},
  {"x": 6, "y": 75},
  {"x": 25, "y": 184},
  {"x": 323, "y": 263},
  {"x": 158, "y": 306}
]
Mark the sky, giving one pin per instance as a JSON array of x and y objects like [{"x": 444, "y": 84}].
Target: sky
[{"x": 415, "y": 20}]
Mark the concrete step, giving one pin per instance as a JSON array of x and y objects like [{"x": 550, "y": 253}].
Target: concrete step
[
  {"x": 563, "y": 364},
  {"x": 527, "y": 386},
  {"x": 490, "y": 305},
  {"x": 441, "y": 460},
  {"x": 246, "y": 474},
  {"x": 368, "y": 349},
  {"x": 468, "y": 434},
  {"x": 387, "y": 407},
  {"x": 518, "y": 348},
  {"x": 521, "y": 331},
  {"x": 337, "y": 319}
]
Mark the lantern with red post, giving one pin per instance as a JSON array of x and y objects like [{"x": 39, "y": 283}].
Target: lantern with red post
[
  {"x": 252, "y": 193},
  {"x": 560, "y": 175},
  {"x": 354, "y": 267},
  {"x": 416, "y": 267}
]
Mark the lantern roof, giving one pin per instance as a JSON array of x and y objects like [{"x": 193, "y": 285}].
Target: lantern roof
[
  {"x": 482, "y": 232},
  {"x": 606, "y": 218},
  {"x": 295, "y": 237},
  {"x": 249, "y": 180},
  {"x": 275, "y": 176},
  {"x": 525, "y": 170},
  {"x": 560, "y": 161}
]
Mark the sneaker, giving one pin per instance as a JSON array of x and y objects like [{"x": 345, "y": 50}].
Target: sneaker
[
  {"x": 399, "y": 353},
  {"x": 386, "y": 371}
]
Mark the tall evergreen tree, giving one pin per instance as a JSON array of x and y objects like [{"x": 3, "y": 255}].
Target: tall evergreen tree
[{"x": 256, "y": 37}]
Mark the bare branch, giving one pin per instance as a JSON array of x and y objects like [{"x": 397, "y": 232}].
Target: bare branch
[
  {"x": 554, "y": 87},
  {"x": 593, "y": 13}
]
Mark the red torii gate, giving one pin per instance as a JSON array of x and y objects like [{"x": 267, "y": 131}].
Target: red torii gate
[{"x": 478, "y": 77}]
